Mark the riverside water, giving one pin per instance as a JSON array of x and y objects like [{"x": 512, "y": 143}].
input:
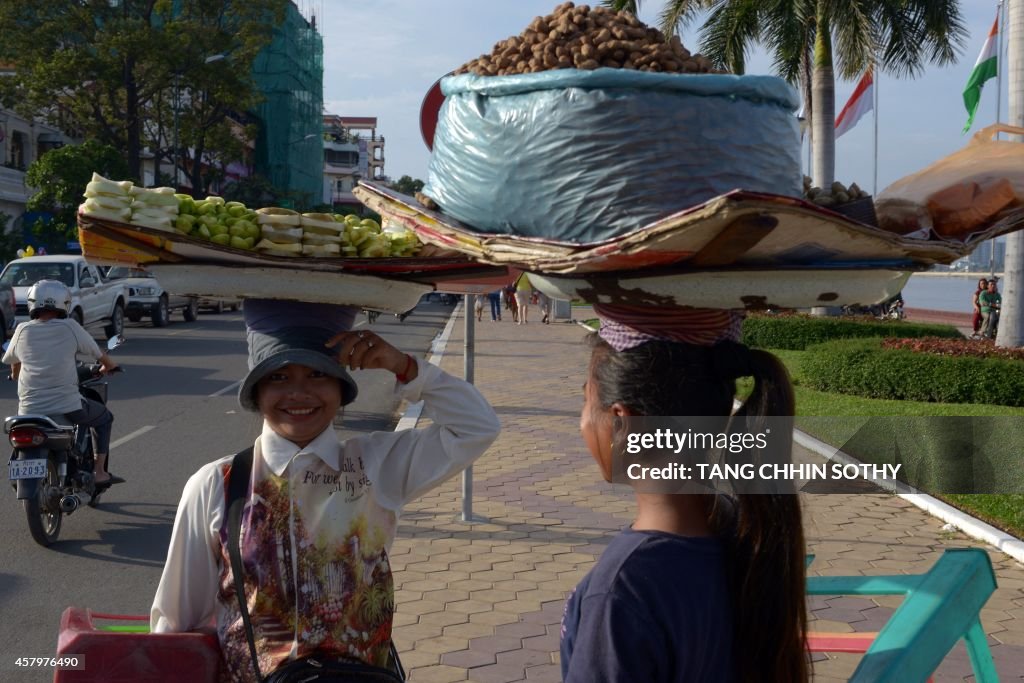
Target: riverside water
[{"x": 942, "y": 291}]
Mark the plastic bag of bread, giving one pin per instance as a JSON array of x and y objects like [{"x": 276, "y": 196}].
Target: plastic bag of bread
[{"x": 959, "y": 194}]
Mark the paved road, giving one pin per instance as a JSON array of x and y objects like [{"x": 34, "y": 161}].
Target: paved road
[{"x": 175, "y": 410}]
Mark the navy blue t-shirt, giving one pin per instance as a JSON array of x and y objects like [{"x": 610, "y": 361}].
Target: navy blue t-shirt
[{"x": 655, "y": 608}]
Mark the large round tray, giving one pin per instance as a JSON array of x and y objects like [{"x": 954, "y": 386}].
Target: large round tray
[
  {"x": 739, "y": 250},
  {"x": 189, "y": 266}
]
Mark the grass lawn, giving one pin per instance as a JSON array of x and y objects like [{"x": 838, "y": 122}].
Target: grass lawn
[{"x": 1005, "y": 511}]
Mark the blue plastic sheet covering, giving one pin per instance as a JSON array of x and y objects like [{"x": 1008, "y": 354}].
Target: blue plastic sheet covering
[{"x": 583, "y": 156}]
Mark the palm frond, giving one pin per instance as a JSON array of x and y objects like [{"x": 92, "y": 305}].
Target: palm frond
[
  {"x": 679, "y": 13},
  {"x": 913, "y": 33},
  {"x": 729, "y": 33},
  {"x": 854, "y": 34},
  {"x": 944, "y": 31},
  {"x": 899, "y": 46},
  {"x": 619, "y": 5},
  {"x": 788, "y": 30}
]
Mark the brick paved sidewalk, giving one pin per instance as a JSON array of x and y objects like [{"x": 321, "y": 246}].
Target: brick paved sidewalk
[{"x": 483, "y": 601}]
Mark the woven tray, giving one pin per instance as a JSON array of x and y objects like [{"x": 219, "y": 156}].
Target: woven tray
[{"x": 189, "y": 266}]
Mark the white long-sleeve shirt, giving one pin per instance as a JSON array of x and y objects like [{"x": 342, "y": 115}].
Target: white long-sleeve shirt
[{"x": 315, "y": 532}]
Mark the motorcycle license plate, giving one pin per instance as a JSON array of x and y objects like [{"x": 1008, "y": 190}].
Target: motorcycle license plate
[{"x": 27, "y": 469}]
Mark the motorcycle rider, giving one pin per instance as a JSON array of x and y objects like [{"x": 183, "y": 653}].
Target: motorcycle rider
[{"x": 42, "y": 358}]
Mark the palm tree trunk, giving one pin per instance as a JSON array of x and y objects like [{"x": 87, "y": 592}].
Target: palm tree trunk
[
  {"x": 1011, "y": 324},
  {"x": 823, "y": 94},
  {"x": 806, "y": 77}
]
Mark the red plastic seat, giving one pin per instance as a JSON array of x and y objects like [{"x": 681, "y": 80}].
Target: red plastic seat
[{"x": 128, "y": 653}]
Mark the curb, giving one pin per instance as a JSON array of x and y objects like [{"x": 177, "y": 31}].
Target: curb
[
  {"x": 973, "y": 527},
  {"x": 413, "y": 411}
]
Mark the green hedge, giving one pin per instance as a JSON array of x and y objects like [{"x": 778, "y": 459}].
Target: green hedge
[
  {"x": 797, "y": 332},
  {"x": 861, "y": 367}
]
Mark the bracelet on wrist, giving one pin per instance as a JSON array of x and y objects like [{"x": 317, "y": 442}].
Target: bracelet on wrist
[{"x": 403, "y": 376}]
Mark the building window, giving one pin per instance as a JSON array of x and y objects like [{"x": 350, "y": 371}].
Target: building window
[{"x": 17, "y": 151}]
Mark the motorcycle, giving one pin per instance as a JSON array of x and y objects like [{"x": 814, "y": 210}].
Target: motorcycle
[
  {"x": 51, "y": 468},
  {"x": 893, "y": 310}
]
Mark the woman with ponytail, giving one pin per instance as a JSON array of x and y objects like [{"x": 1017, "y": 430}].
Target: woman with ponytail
[{"x": 701, "y": 587}]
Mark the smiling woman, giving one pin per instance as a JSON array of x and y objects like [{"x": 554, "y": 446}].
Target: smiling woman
[{"x": 318, "y": 515}]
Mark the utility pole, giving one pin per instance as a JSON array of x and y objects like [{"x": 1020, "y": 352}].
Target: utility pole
[{"x": 1011, "y": 324}]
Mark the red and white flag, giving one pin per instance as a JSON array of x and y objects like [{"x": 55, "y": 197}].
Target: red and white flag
[{"x": 860, "y": 103}]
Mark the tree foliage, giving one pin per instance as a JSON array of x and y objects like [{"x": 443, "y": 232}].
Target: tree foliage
[
  {"x": 60, "y": 176},
  {"x": 9, "y": 241},
  {"x": 112, "y": 70},
  {"x": 407, "y": 185}
]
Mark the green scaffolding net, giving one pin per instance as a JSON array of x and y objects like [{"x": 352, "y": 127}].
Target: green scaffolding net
[{"x": 289, "y": 75}]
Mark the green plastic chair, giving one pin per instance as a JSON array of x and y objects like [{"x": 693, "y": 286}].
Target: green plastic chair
[{"x": 941, "y": 607}]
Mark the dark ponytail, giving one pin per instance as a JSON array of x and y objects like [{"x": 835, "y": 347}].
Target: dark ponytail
[
  {"x": 764, "y": 532},
  {"x": 768, "y": 553}
]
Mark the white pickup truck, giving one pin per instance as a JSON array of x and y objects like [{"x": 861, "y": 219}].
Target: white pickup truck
[{"x": 94, "y": 300}]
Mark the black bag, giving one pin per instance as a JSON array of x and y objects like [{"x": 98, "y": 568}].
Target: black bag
[{"x": 312, "y": 668}]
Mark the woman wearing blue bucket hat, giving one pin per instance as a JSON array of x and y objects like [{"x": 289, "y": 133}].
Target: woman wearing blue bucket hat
[{"x": 319, "y": 515}]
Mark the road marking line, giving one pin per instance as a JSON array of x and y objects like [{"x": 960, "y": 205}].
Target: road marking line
[
  {"x": 171, "y": 334},
  {"x": 129, "y": 437},
  {"x": 361, "y": 322},
  {"x": 226, "y": 389}
]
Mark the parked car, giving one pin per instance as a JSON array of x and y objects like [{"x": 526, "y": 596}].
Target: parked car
[
  {"x": 95, "y": 300},
  {"x": 220, "y": 305},
  {"x": 147, "y": 298}
]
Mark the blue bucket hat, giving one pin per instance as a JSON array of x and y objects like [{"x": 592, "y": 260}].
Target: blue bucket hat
[{"x": 284, "y": 333}]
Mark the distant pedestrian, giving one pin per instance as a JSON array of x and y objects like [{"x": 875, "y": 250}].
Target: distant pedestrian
[
  {"x": 976, "y": 318},
  {"x": 510, "y": 301},
  {"x": 524, "y": 290},
  {"x": 990, "y": 301},
  {"x": 478, "y": 307},
  {"x": 495, "y": 300}
]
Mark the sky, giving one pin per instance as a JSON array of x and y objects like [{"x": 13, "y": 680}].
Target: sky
[{"x": 381, "y": 57}]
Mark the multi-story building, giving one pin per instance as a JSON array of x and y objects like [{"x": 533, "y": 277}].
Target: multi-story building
[
  {"x": 22, "y": 141},
  {"x": 289, "y": 73},
  {"x": 287, "y": 149},
  {"x": 352, "y": 151}
]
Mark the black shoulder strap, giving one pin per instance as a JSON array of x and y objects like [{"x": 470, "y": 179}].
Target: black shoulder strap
[
  {"x": 238, "y": 486},
  {"x": 238, "y": 477}
]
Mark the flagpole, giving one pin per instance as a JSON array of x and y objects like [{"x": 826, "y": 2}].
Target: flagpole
[
  {"x": 1000, "y": 62},
  {"x": 874, "y": 83}
]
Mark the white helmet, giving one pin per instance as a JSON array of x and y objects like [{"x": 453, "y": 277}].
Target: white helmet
[{"x": 49, "y": 295}]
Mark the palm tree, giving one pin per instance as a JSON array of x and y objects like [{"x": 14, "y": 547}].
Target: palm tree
[{"x": 811, "y": 41}]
